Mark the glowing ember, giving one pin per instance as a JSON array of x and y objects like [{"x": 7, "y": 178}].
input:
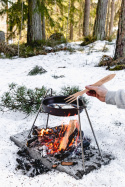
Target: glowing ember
[{"x": 58, "y": 138}]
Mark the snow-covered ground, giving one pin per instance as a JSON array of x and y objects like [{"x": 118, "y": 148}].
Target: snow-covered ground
[{"x": 80, "y": 69}]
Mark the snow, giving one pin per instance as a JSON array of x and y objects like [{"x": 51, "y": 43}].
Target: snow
[{"x": 79, "y": 69}]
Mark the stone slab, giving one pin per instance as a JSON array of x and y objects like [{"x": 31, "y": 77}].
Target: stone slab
[{"x": 77, "y": 171}]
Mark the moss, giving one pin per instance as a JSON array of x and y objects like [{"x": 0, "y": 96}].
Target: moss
[
  {"x": 118, "y": 67},
  {"x": 109, "y": 38},
  {"x": 87, "y": 40}
]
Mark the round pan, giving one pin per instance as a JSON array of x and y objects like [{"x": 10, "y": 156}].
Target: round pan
[{"x": 49, "y": 108}]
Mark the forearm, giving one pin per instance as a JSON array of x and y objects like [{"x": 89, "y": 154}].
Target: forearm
[{"x": 116, "y": 98}]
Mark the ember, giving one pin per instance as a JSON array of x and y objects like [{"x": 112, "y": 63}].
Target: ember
[{"x": 56, "y": 139}]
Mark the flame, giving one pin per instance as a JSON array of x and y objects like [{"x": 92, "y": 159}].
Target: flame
[{"x": 56, "y": 141}]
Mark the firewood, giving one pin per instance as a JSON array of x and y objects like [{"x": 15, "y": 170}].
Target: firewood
[
  {"x": 31, "y": 140},
  {"x": 68, "y": 163},
  {"x": 54, "y": 166},
  {"x": 70, "y": 130}
]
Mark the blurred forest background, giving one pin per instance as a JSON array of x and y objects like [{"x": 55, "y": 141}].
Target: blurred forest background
[
  {"x": 74, "y": 19},
  {"x": 51, "y": 22}
]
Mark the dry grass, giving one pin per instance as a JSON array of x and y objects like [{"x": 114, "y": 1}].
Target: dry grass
[{"x": 8, "y": 50}]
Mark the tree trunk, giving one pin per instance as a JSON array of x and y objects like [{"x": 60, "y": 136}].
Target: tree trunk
[
  {"x": 99, "y": 26},
  {"x": 71, "y": 31},
  {"x": 68, "y": 20},
  {"x": 107, "y": 22},
  {"x": 80, "y": 16},
  {"x": 7, "y": 23},
  {"x": 34, "y": 32},
  {"x": 86, "y": 18},
  {"x": 120, "y": 43},
  {"x": 112, "y": 17},
  {"x": 71, "y": 19},
  {"x": 43, "y": 28},
  {"x": 43, "y": 21}
]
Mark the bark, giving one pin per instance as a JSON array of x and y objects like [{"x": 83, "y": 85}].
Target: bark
[
  {"x": 43, "y": 22},
  {"x": 120, "y": 43},
  {"x": 68, "y": 21},
  {"x": 80, "y": 30},
  {"x": 7, "y": 26},
  {"x": 99, "y": 26},
  {"x": 43, "y": 28},
  {"x": 34, "y": 32},
  {"x": 71, "y": 31},
  {"x": 112, "y": 17},
  {"x": 108, "y": 15},
  {"x": 71, "y": 20},
  {"x": 86, "y": 18}
]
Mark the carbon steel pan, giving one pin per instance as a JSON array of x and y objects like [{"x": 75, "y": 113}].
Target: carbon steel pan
[{"x": 57, "y": 106}]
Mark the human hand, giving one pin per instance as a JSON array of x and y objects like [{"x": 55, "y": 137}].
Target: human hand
[{"x": 97, "y": 91}]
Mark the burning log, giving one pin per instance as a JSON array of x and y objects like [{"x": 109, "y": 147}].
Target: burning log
[
  {"x": 31, "y": 141},
  {"x": 71, "y": 128},
  {"x": 56, "y": 140}
]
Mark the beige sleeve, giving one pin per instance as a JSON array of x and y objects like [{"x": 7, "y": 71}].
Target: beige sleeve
[{"x": 116, "y": 98}]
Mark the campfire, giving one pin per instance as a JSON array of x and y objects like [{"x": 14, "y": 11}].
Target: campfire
[
  {"x": 57, "y": 140},
  {"x": 63, "y": 147}
]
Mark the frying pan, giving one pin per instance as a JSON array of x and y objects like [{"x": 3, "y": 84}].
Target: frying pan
[{"x": 49, "y": 104}]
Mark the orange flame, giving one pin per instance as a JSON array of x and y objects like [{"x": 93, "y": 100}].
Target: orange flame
[{"x": 61, "y": 138}]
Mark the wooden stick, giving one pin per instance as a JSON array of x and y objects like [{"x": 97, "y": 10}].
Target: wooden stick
[
  {"x": 70, "y": 130},
  {"x": 68, "y": 163}
]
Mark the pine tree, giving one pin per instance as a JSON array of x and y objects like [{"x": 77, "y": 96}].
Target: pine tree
[
  {"x": 120, "y": 43},
  {"x": 108, "y": 16},
  {"x": 71, "y": 19},
  {"x": 43, "y": 20},
  {"x": 34, "y": 21},
  {"x": 99, "y": 26},
  {"x": 112, "y": 17},
  {"x": 86, "y": 18}
]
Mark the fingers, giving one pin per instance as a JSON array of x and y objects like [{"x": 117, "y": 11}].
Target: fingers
[
  {"x": 98, "y": 92},
  {"x": 91, "y": 93},
  {"x": 92, "y": 88}
]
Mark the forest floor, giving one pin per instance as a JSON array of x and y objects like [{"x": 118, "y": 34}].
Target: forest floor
[{"x": 78, "y": 68}]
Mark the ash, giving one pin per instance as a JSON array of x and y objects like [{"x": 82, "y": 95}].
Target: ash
[
  {"x": 32, "y": 167},
  {"x": 29, "y": 166}
]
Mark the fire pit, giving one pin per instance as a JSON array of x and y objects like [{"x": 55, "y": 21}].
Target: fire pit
[{"x": 63, "y": 147}]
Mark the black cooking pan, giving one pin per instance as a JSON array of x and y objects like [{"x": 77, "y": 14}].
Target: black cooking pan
[{"x": 58, "y": 107}]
